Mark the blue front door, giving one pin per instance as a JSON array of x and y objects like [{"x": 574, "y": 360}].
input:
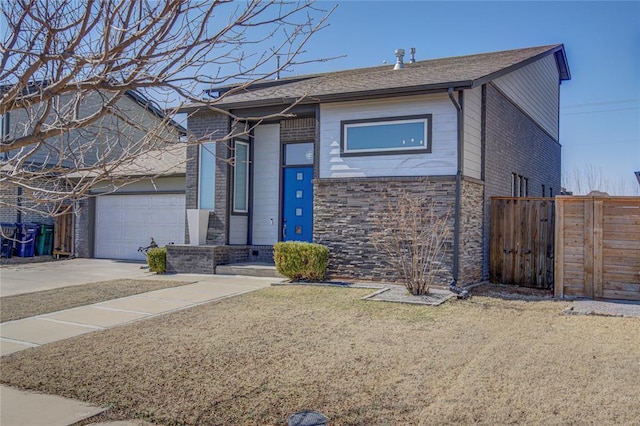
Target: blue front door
[{"x": 297, "y": 211}]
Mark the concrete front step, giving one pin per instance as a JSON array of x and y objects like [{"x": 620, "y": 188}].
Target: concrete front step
[{"x": 249, "y": 269}]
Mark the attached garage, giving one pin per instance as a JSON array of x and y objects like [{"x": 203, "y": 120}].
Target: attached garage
[{"x": 123, "y": 223}]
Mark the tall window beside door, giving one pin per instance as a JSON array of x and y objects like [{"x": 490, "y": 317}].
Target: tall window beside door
[
  {"x": 207, "y": 184},
  {"x": 241, "y": 177}
]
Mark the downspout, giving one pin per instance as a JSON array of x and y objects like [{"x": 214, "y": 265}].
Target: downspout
[{"x": 462, "y": 294}]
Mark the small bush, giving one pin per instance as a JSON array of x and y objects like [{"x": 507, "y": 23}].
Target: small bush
[
  {"x": 157, "y": 260},
  {"x": 301, "y": 261},
  {"x": 412, "y": 232}
]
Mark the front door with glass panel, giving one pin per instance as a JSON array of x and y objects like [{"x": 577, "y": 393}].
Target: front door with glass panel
[{"x": 297, "y": 200}]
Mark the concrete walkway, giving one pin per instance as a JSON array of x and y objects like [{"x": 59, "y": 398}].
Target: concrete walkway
[
  {"x": 31, "y": 277},
  {"x": 28, "y": 408}
]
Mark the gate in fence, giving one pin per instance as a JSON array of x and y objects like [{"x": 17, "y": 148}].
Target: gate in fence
[{"x": 522, "y": 241}]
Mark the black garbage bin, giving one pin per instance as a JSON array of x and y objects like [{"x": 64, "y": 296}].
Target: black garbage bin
[
  {"x": 26, "y": 234},
  {"x": 44, "y": 241},
  {"x": 7, "y": 239}
]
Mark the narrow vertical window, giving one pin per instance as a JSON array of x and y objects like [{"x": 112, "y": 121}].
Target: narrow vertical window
[
  {"x": 515, "y": 185},
  {"x": 525, "y": 187},
  {"x": 207, "y": 180},
  {"x": 550, "y": 192},
  {"x": 241, "y": 177},
  {"x": 544, "y": 193}
]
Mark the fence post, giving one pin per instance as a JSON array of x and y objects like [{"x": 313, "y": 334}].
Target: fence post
[
  {"x": 558, "y": 278},
  {"x": 597, "y": 246},
  {"x": 588, "y": 287}
]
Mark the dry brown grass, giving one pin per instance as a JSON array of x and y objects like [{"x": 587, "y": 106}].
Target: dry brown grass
[
  {"x": 43, "y": 302},
  {"x": 257, "y": 358}
]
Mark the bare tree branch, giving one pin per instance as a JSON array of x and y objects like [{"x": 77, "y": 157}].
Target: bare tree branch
[{"x": 85, "y": 86}]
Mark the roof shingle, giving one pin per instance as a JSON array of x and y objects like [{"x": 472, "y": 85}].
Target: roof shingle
[{"x": 434, "y": 74}]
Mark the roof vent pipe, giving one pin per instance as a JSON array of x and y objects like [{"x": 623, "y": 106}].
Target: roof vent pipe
[
  {"x": 413, "y": 55},
  {"x": 399, "y": 56}
]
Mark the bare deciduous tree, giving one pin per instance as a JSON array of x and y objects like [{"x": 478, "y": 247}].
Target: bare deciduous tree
[
  {"x": 592, "y": 178},
  {"x": 412, "y": 232},
  {"x": 75, "y": 74}
]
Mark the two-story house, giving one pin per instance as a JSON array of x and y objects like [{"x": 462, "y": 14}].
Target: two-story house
[
  {"x": 132, "y": 155},
  {"x": 458, "y": 130}
]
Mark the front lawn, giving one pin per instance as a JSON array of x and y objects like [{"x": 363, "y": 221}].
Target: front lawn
[
  {"x": 257, "y": 358},
  {"x": 43, "y": 302}
]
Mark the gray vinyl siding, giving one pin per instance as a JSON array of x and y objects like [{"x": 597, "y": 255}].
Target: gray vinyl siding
[
  {"x": 535, "y": 89},
  {"x": 441, "y": 160},
  {"x": 266, "y": 175},
  {"x": 104, "y": 140},
  {"x": 160, "y": 184},
  {"x": 238, "y": 229},
  {"x": 472, "y": 152}
]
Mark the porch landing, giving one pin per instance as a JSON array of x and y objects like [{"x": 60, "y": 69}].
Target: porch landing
[
  {"x": 183, "y": 258},
  {"x": 249, "y": 269}
]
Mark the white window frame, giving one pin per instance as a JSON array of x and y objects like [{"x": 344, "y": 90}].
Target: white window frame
[
  {"x": 425, "y": 119},
  {"x": 235, "y": 178},
  {"x": 211, "y": 147}
]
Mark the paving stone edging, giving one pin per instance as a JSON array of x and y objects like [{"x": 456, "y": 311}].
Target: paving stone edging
[{"x": 384, "y": 293}]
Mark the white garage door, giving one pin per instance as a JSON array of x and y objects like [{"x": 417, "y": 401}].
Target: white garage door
[{"x": 126, "y": 222}]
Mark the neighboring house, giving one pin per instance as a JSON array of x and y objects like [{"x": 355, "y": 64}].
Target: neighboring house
[
  {"x": 145, "y": 196},
  {"x": 458, "y": 130}
]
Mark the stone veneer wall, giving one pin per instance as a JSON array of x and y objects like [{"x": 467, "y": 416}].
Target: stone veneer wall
[
  {"x": 183, "y": 258},
  {"x": 470, "y": 258},
  {"x": 514, "y": 143},
  {"x": 343, "y": 220}
]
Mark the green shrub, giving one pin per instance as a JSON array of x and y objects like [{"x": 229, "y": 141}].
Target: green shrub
[
  {"x": 301, "y": 261},
  {"x": 157, "y": 260}
]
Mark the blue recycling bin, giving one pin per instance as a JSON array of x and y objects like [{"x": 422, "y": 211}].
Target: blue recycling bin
[
  {"x": 6, "y": 239},
  {"x": 26, "y": 234}
]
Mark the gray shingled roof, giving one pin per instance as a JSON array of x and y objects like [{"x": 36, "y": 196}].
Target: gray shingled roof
[{"x": 459, "y": 72}]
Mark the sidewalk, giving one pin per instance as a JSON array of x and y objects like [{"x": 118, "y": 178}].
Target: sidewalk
[{"x": 21, "y": 408}]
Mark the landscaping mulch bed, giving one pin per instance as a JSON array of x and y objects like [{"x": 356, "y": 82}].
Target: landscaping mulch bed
[
  {"x": 511, "y": 292},
  {"x": 43, "y": 302},
  {"x": 259, "y": 357}
]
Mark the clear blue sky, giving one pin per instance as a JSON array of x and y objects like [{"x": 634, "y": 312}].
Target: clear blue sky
[{"x": 600, "y": 105}]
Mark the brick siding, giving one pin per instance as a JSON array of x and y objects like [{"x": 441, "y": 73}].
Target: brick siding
[
  {"x": 514, "y": 144},
  {"x": 204, "y": 259},
  {"x": 83, "y": 237},
  {"x": 298, "y": 130},
  {"x": 209, "y": 126}
]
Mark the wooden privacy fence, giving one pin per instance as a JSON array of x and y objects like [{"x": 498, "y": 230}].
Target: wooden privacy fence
[
  {"x": 598, "y": 247},
  {"x": 522, "y": 241},
  {"x": 63, "y": 235}
]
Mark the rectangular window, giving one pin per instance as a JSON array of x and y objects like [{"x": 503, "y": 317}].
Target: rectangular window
[
  {"x": 515, "y": 185},
  {"x": 395, "y": 135},
  {"x": 298, "y": 154},
  {"x": 544, "y": 192},
  {"x": 207, "y": 183},
  {"x": 550, "y": 192},
  {"x": 241, "y": 177},
  {"x": 519, "y": 185}
]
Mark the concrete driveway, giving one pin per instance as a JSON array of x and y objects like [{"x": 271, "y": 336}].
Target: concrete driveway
[
  {"x": 35, "y": 409},
  {"x": 27, "y": 278}
]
